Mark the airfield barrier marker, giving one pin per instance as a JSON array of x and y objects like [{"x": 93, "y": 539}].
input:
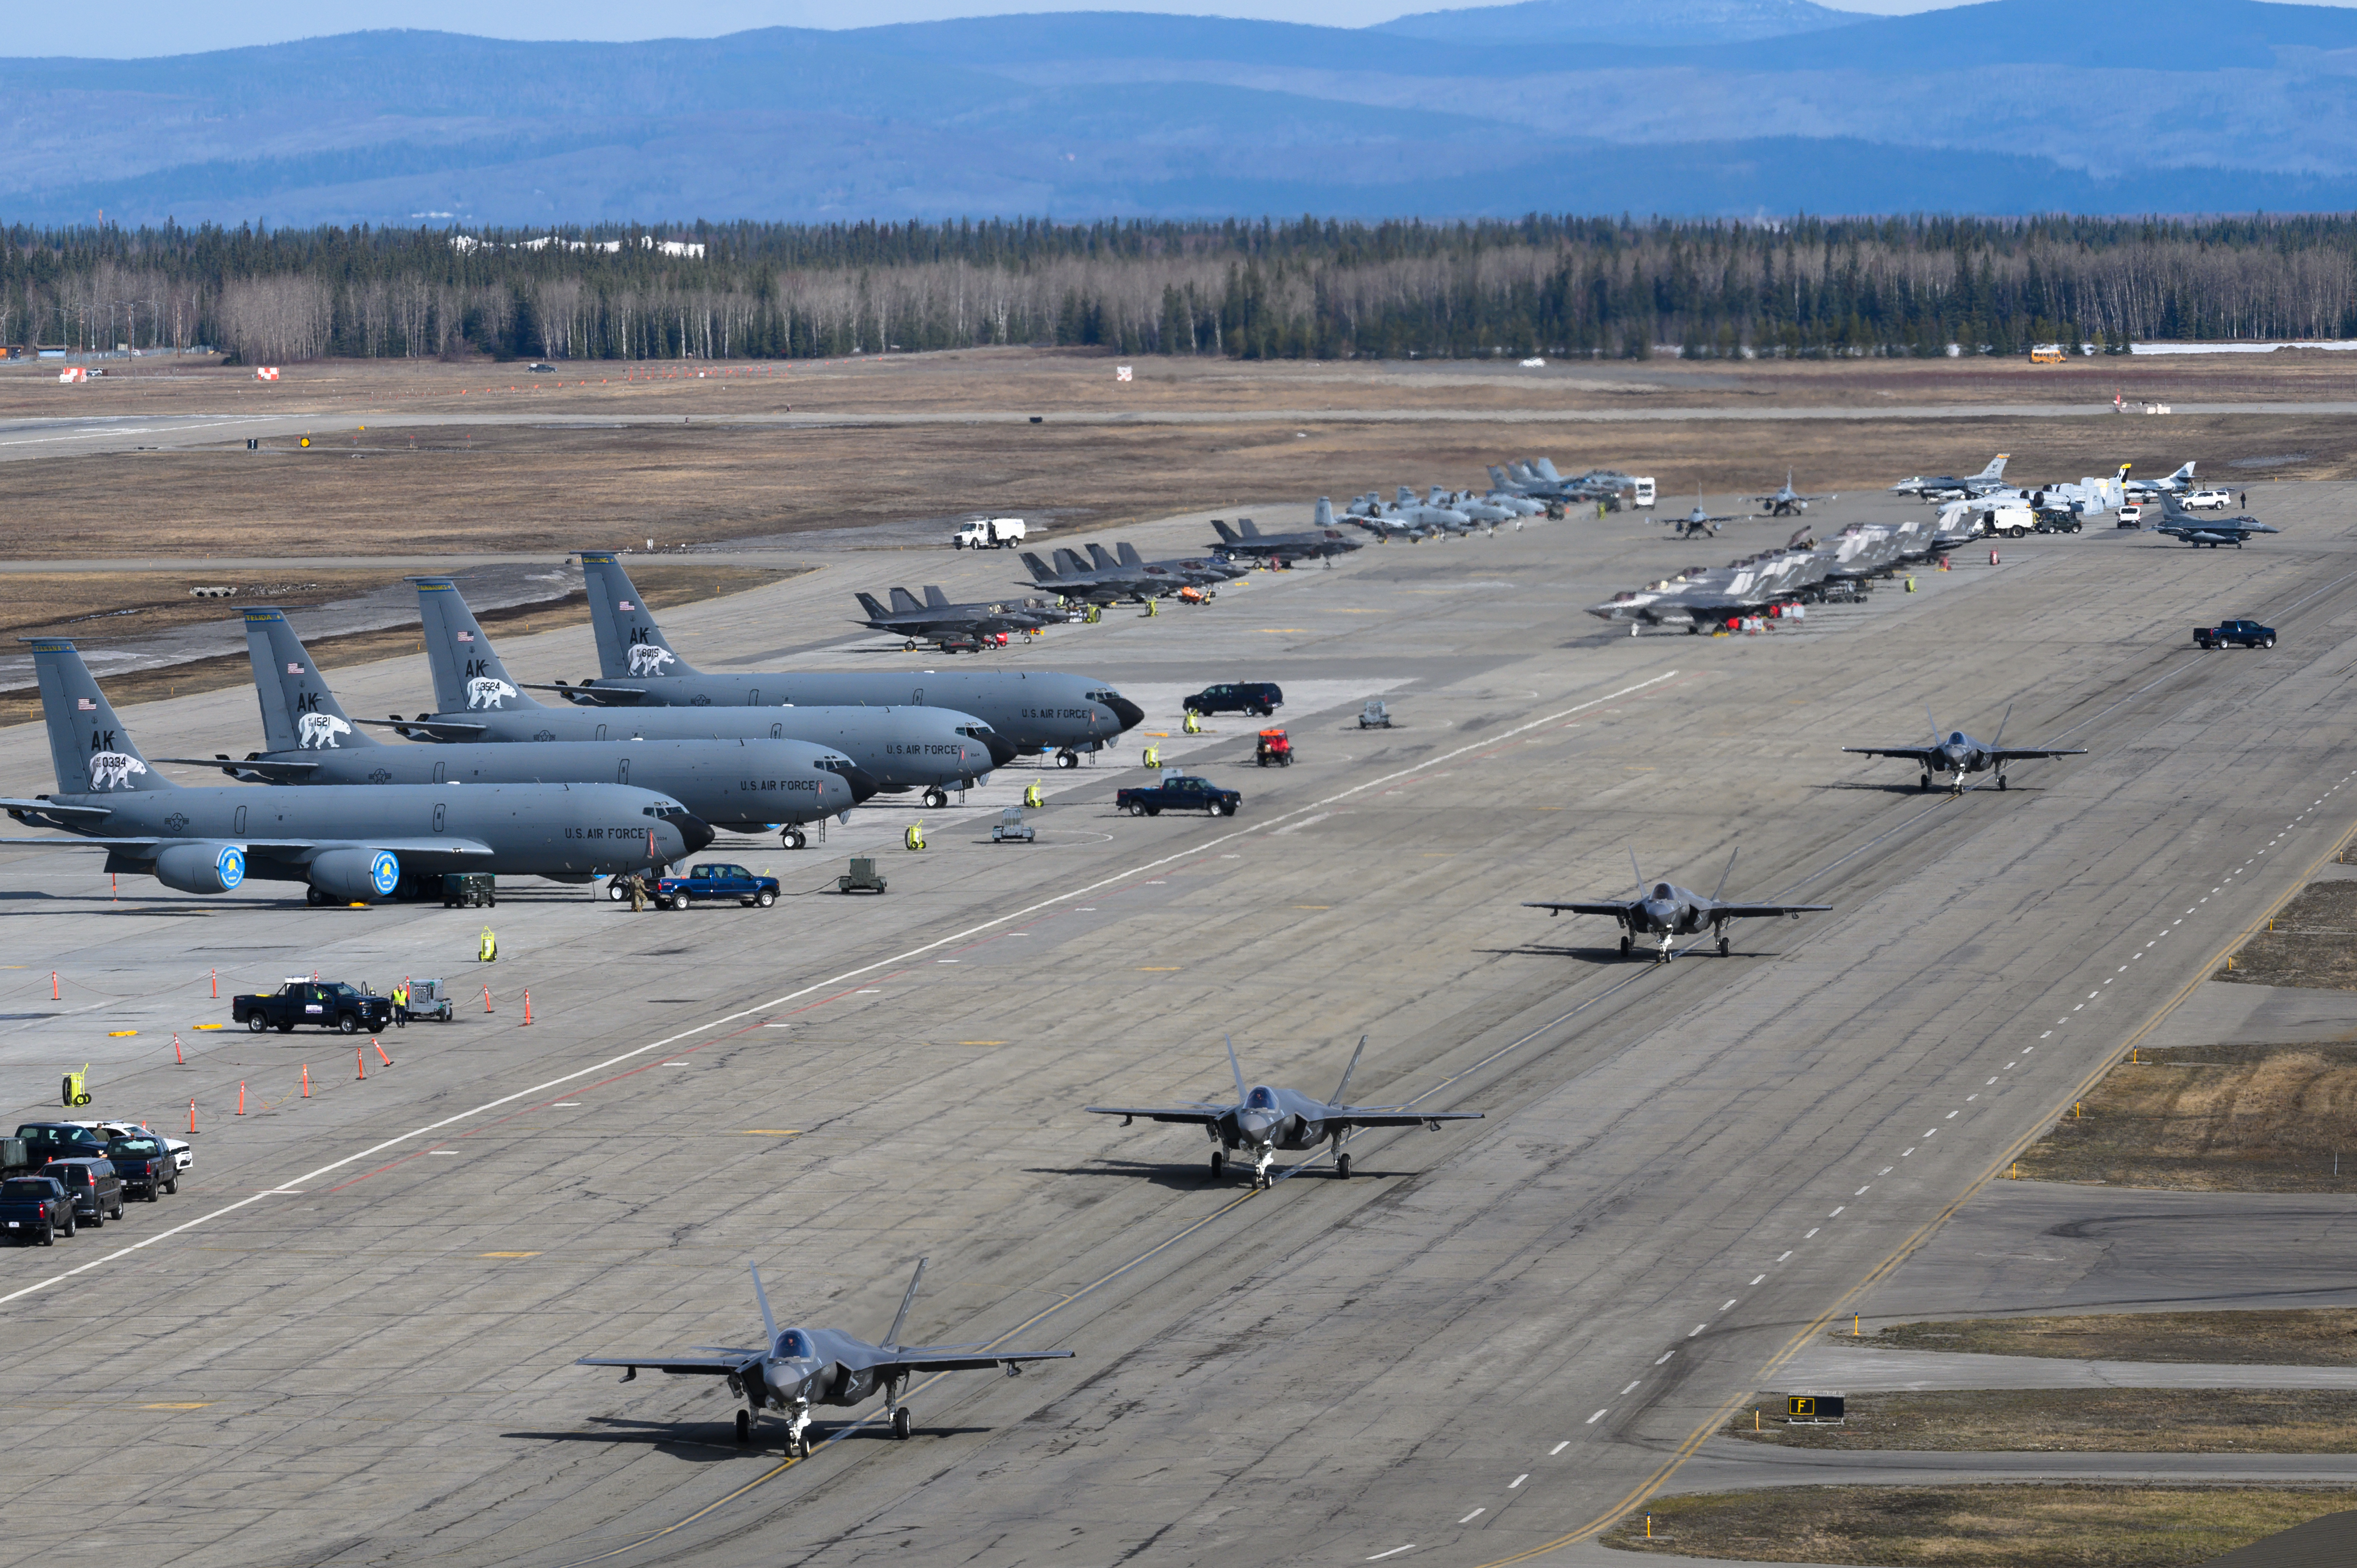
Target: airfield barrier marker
[
  {"x": 54, "y": 995},
  {"x": 486, "y": 998},
  {"x": 527, "y": 1005},
  {"x": 215, "y": 975},
  {"x": 306, "y": 1081},
  {"x": 176, "y": 1049},
  {"x": 192, "y": 1118},
  {"x": 380, "y": 1050},
  {"x": 359, "y": 1060},
  {"x": 241, "y": 1097}
]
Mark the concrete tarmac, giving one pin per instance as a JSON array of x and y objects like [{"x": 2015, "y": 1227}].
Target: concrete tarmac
[{"x": 349, "y": 1337}]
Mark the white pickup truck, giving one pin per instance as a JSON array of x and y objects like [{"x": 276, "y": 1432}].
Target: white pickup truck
[{"x": 990, "y": 533}]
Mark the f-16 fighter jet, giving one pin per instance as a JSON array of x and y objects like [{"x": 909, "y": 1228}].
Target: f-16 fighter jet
[
  {"x": 798, "y": 1367},
  {"x": 1788, "y": 501},
  {"x": 1669, "y": 912},
  {"x": 2179, "y": 523},
  {"x": 1960, "y": 754},
  {"x": 1264, "y": 1122}
]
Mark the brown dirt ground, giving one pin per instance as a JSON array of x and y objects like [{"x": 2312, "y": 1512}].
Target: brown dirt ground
[
  {"x": 2310, "y": 942},
  {"x": 2317, "y": 1337},
  {"x": 2106, "y": 1420},
  {"x": 2270, "y": 1118},
  {"x": 1976, "y": 1527},
  {"x": 523, "y": 488},
  {"x": 28, "y": 601}
]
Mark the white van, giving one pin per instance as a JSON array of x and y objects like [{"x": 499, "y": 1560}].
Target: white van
[
  {"x": 1644, "y": 491},
  {"x": 2132, "y": 515}
]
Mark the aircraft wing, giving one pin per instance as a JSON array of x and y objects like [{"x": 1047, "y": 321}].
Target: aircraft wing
[
  {"x": 272, "y": 771},
  {"x": 432, "y": 729},
  {"x": 709, "y": 1365},
  {"x": 586, "y": 696},
  {"x": 398, "y": 846},
  {"x": 958, "y": 1358},
  {"x": 1618, "y": 907},
  {"x": 1763, "y": 911},
  {"x": 2024, "y": 753},
  {"x": 1919, "y": 754},
  {"x": 1395, "y": 1116},
  {"x": 1190, "y": 1115}
]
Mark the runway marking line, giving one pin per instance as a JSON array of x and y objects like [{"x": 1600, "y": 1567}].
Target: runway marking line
[{"x": 1901, "y": 1253}]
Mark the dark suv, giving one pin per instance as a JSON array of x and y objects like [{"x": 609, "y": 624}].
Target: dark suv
[
  {"x": 47, "y": 1141},
  {"x": 1262, "y": 697},
  {"x": 96, "y": 1190},
  {"x": 145, "y": 1166}
]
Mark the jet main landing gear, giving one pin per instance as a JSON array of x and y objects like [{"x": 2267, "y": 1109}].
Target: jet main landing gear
[
  {"x": 793, "y": 837},
  {"x": 1219, "y": 1165},
  {"x": 1068, "y": 758},
  {"x": 900, "y": 1422},
  {"x": 936, "y": 798},
  {"x": 1342, "y": 1166}
]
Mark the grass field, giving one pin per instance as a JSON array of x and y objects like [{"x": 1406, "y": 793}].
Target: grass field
[
  {"x": 1976, "y": 1527},
  {"x": 2109, "y": 1421},
  {"x": 2311, "y": 941},
  {"x": 2314, "y": 1336}
]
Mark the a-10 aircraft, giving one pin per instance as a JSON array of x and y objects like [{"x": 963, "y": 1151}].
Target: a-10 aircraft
[
  {"x": 1669, "y": 912},
  {"x": 1788, "y": 501},
  {"x": 937, "y": 621},
  {"x": 796, "y": 1368},
  {"x": 1960, "y": 754},
  {"x": 2214, "y": 531},
  {"x": 1264, "y": 1122},
  {"x": 747, "y": 784},
  {"x": 348, "y": 846}
]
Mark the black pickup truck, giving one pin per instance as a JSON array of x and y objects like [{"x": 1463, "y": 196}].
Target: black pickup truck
[
  {"x": 1182, "y": 794},
  {"x": 144, "y": 1167},
  {"x": 2241, "y": 633},
  {"x": 34, "y": 1209},
  {"x": 315, "y": 1003}
]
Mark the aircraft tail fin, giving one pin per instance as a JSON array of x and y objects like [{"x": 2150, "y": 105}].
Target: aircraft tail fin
[
  {"x": 1935, "y": 725},
  {"x": 1439, "y": 496},
  {"x": 903, "y": 601},
  {"x": 2000, "y": 727},
  {"x": 935, "y": 598},
  {"x": 1343, "y": 1087},
  {"x": 1236, "y": 1067},
  {"x": 631, "y": 646},
  {"x": 1039, "y": 569},
  {"x": 875, "y": 611},
  {"x": 908, "y": 1300},
  {"x": 1725, "y": 874},
  {"x": 1101, "y": 558},
  {"x": 2186, "y": 474},
  {"x": 466, "y": 672},
  {"x": 1224, "y": 531},
  {"x": 1323, "y": 516},
  {"x": 1068, "y": 563},
  {"x": 769, "y": 1323},
  {"x": 88, "y": 744},
  {"x": 299, "y": 712},
  {"x": 1402, "y": 496},
  {"x": 1635, "y": 872},
  {"x": 1545, "y": 466},
  {"x": 1126, "y": 553},
  {"x": 1995, "y": 469}
]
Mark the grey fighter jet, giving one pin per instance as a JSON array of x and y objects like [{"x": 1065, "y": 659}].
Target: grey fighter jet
[
  {"x": 1196, "y": 571},
  {"x": 1369, "y": 512},
  {"x": 1031, "y": 710},
  {"x": 1947, "y": 487},
  {"x": 1960, "y": 754},
  {"x": 1107, "y": 584},
  {"x": 1698, "y": 520},
  {"x": 1302, "y": 544},
  {"x": 899, "y": 748},
  {"x": 1264, "y": 1122},
  {"x": 937, "y": 620},
  {"x": 2214, "y": 531},
  {"x": 1504, "y": 492},
  {"x": 1669, "y": 912},
  {"x": 1788, "y": 501},
  {"x": 795, "y": 1368},
  {"x": 1476, "y": 509},
  {"x": 2168, "y": 484},
  {"x": 350, "y": 845},
  {"x": 745, "y": 785}
]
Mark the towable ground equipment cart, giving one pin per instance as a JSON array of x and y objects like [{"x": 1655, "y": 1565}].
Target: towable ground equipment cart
[{"x": 1275, "y": 746}]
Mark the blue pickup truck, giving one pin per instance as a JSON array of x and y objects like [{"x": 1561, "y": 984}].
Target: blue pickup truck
[
  {"x": 1179, "y": 794},
  {"x": 2238, "y": 633},
  {"x": 715, "y": 884}
]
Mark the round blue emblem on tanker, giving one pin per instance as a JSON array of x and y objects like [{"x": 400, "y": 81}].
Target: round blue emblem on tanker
[
  {"x": 229, "y": 866},
  {"x": 384, "y": 873}
]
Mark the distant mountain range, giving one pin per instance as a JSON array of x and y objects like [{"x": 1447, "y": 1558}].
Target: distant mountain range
[{"x": 1685, "y": 107}]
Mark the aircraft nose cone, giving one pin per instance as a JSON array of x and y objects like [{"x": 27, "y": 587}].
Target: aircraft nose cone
[
  {"x": 1002, "y": 750},
  {"x": 863, "y": 783},
  {"x": 1130, "y": 714},
  {"x": 694, "y": 833},
  {"x": 1254, "y": 1125}
]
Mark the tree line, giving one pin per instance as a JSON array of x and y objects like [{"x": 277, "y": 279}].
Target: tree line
[{"x": 1307, "y": 289}]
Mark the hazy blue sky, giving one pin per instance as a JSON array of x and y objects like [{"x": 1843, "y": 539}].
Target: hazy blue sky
[{"x": 121, "y": 28}]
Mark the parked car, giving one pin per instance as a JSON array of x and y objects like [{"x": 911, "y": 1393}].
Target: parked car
[
  {"x": 35, "y": 1210},
  {"x": 2239, "y": 633},
  {"x": 96, "y": 1190},
  {"x": 1262, "y": 697},
  {"x": 2207, "y": 501},
  {"x": 183, "y": 1156},
  {"x": 715, "y": 884},
  {"x": 144, "y": 1165},
  {"x": 1179, "y": 794},
  {"x": 318, "y": 1003}
]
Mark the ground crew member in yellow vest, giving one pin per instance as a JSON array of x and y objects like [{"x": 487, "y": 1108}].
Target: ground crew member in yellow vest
[
  {"x": 401, "y": 1006},
  {"x": 491, "y": 951}
]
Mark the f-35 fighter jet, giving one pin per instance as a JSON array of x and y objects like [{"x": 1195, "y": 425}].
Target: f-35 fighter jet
[
  {"x": 1669, "y": 912},
  {"x": 2179, "y": 523},
  {"x": 795, "y": 1368},
  {"x": 1960, "y": 754},
  {"x": 937, "y": 621},
  {"x": 1246, "y": 539},
  {"x": 1264, "y": 1122}
]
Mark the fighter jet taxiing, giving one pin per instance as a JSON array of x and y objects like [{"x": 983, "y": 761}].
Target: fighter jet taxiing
[
  {"x": 1669, "y": 912},
  {"x": 795, "y": 1368},
  {"x": 1698, "y": 520},
  {"x": 1960, "y": 754},
  {"x": 2214, "y": 531},
  {"x": 1264, "y": 1122},
  {"x": 350, "y": 845},
  {"x": 1788, "y": 501}
]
